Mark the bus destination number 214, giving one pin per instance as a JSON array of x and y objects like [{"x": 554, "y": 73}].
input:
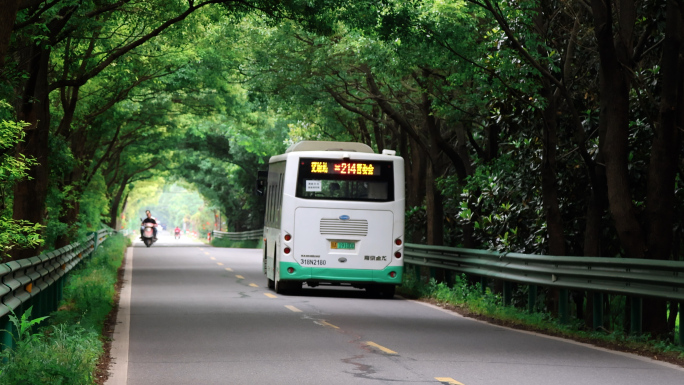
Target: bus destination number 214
[{"x": 344, "y": 168}]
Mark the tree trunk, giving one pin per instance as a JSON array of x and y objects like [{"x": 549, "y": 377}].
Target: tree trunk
[
  {"x": 434, "y": 208},
  {"x": 554, "y": 220},
  {"x": 363, "y": 129},
  {"x": 7, "y": 18},
  {"x": 119, "y": 218},
  {"x": 30, "y": 193},
  {"x": 492, "y": 146},
  {"x": 664, "y": 159},
  {"x": 71, "y": 205},
  {"x": 377, "y": 131},
  {"x": 115, "y": 203},
  {"x": 415, "y": 178},
  {"x": 615, "y": 68}
]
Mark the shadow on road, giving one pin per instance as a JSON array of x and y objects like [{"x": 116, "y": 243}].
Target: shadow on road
[{"x": 333, "y": 292}]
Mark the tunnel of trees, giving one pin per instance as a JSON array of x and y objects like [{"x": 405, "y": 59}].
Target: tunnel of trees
[{"x": 534, "y": 126}]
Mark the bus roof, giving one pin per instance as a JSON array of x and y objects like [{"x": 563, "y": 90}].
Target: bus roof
[{"x": 311, "y": 145}]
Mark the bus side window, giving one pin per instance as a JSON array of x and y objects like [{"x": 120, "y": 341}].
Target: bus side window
[
  {"x": 279, "y": 199},
  {"x": 269, "y": 197}
]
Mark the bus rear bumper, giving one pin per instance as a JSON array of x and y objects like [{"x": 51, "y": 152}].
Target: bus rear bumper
[{"x": 352, "y": 276}]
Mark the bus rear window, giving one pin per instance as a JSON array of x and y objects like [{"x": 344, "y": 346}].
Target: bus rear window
[{"x": 358, "y": 180}]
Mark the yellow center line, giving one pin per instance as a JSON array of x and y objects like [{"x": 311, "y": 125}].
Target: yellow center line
[
  {"x": 269, "y": 295},
  {"x": 253, "y": 285},
  {"x": 380, "y": 347},
  {"x": 229, "y": 269},
  {"x": 239, "y": 277},
  {"x": 294, "y": 309},
  {"x": 212, "y": 258},
  {"x": 448, "y": 381},
  {"x": 219, "y": 263},
  {"x": 201, "y": 249},
  {"x": 326, "y": 323},
  {"x": 206, "y": 252}
]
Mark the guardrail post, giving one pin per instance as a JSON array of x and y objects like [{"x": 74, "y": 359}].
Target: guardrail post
[
  {"x": 483, "y": 284},
  {"x": 50, "y": 298},
  {"x": 433, "y": 273},
  {"x": 532, "y": 298},
  {"x": 449, "y": 277},
  {"x": 636, "y": 310},
  {"x": 60, "y": 290},
  {"x": 96, "y": 239},
  {"x": 563, "y": 309},
  {"x": 7, "y": 333},
  {"x": 55, "y": 294},
  {"x": 416, "y": 273},
  {"x": 507, "y": 293},
  {"x": 40, "y": 303},
  {"x": 598, "y": 310}
]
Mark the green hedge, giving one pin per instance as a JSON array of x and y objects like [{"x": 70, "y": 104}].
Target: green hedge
[{"x": 249, "y": 244}]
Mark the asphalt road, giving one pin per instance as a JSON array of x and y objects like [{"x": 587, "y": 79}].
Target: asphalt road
[{"x": 203, "y": 315}]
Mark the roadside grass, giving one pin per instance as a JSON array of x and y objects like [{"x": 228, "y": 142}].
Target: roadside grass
[
  {"x": 246, "y": 244},
  {"x": 470, "y": 300},
  {"x": 67, "y": 349}
]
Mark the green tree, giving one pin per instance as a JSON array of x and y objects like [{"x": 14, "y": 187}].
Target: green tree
[{"x": 13, "y": 233}]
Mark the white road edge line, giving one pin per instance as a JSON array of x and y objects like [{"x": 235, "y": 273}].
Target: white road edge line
[
  {"x": 119, "y": 352},
  {"x": 634, "y": 356}
]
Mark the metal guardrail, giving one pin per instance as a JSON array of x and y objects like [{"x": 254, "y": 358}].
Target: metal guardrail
[
  {"x": 38, "y": 280},
  {"x": 635, "y": 278},
  {"x": 242, "y": 236}
]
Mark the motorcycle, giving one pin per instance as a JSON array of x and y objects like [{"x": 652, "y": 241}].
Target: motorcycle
[
  {"x": 148, "y": 234},
  {"x": 176, "y": 234}
]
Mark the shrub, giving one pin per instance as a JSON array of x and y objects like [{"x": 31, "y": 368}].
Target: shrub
[{"x": 59, "y": 354}]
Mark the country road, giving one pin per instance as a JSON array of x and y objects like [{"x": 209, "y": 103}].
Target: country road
[{"x": 203, "y": 315}]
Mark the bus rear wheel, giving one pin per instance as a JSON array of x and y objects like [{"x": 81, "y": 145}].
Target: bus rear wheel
[
  {"x": 286, "y": 287},
  {"x": 278, "y": 285}
]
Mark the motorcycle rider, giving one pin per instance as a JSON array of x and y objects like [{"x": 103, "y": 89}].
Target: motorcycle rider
[
  {"x": 177, "y": 232},
  {"x": 151, "y": 220}
]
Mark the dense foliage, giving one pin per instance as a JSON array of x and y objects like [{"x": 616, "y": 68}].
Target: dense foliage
[{"x": 537, "y": 126}]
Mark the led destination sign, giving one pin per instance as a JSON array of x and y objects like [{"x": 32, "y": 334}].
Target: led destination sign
[{"x": 344, "y": 168}]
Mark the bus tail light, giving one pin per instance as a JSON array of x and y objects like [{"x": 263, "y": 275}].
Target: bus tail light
[
  {"x": 397, "y": 242},
  {"x": 290, "y": 270},
  {"x": 288, "y": 237},
  {"x": 287, "y": 250},
  {"x": 397, "y": 254},
  {"x": 393, "y": 274}
]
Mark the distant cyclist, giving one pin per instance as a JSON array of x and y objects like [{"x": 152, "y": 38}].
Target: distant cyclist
[{"x": 176, "y": 232}]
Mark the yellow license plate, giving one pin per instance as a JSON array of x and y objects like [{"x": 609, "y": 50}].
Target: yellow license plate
[{"x": 343, "y": 245}]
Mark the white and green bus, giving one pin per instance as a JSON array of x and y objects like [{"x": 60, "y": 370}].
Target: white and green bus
[{"x": 334, "y": 216}]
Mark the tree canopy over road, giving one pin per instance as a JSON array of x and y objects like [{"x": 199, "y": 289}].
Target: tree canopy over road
[{"x": 533, "y": 126}]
